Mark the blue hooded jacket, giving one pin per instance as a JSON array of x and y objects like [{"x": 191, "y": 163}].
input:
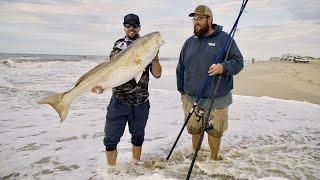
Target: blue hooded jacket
[{"x": 198, "y": 54}]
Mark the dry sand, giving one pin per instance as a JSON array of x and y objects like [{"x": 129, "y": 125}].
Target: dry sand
[{"x": 279, "y": 79}]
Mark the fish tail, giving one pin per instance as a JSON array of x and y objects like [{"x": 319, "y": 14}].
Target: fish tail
[{"x": 59, "y": 102}]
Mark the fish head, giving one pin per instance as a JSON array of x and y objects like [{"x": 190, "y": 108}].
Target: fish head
[
  {"x": 148, "y": 46},
  {"x": 156, "y": 38}
]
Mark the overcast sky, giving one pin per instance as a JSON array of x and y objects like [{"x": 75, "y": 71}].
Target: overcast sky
[{"x": 89, "y": 27}]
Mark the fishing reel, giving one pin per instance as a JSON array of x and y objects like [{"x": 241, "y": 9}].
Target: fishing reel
[
  {"x": 199, "y": 113},
  {"x": 200, "y": 116},
  {"x": 209, "y": 126}
]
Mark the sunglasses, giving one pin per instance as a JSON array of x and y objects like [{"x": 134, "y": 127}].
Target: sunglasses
[{"x": 135, "y": 26}]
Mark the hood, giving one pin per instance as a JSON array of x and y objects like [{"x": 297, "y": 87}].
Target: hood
[{"x": 217, "y": 29}]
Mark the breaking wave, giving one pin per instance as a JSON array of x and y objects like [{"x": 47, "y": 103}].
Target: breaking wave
[{"x": 4, "y": 83}]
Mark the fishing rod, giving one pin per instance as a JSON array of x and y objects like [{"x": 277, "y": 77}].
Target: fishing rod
[{"x": 204, "y": 86}]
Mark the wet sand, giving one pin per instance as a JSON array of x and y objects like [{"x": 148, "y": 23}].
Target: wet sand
[{"x": 279, "y": 79}]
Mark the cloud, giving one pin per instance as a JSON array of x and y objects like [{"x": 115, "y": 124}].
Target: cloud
[
  {"x": 298, "y": 37},
  {"x": 91, "y": 26},
  {"x": 302, "y": 10},
  {"x": 292, "y": 29}
]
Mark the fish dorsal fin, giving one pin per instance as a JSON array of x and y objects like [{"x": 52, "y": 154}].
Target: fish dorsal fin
[
  {"x": 89, "y": 73},
  {"x": 138, "y": 76}
]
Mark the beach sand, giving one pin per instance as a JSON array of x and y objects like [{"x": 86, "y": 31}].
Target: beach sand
[{"x": 280, "y": 79}]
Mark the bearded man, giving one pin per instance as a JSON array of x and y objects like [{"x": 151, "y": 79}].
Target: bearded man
[{"x": 195, "y": 64}]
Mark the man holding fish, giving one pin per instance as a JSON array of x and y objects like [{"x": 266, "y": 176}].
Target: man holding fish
[{"x": 129, "y": 102}]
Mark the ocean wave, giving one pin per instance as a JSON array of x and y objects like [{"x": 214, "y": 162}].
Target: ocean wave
[
  {"x": 12, "y": 63},
  {"x": 8, "y": 62},
  {"x": 52, "y": 61},
  {"x": 22, "y": 91},
  {"x": 5, "y": 83},
  {"x": 6, "y": 86}
]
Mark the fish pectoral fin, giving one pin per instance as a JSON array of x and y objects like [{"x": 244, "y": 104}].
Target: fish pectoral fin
[{"x": 138, "y": 76}]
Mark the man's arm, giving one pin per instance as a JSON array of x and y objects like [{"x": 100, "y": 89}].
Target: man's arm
[
  {"x": 156, "y": 69},
  {"x": 180, "y": 71},
  {"x": 234, "y": 63},
  {"x": 232, "y": 66}
]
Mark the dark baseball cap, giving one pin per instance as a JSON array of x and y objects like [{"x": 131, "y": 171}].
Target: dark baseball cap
[{"x": 131, "y": 19}]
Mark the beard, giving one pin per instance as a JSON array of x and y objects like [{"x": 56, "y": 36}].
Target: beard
[
  {"x": 133, "y": 35},
  {"x": 202, "y": 30}
]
